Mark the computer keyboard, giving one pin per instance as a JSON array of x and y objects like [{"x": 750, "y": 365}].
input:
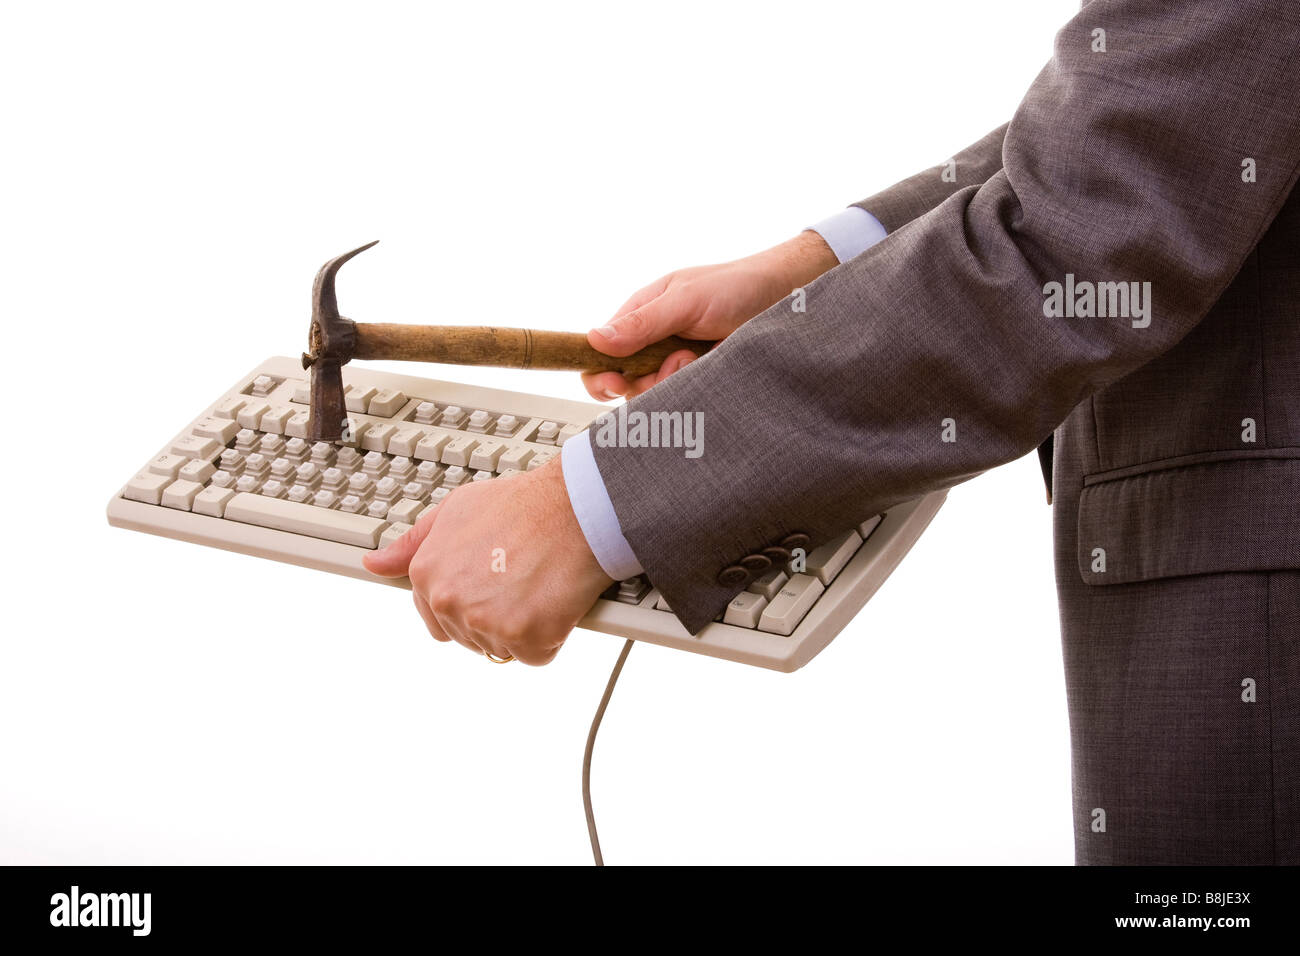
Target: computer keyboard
[{"x": 243, "y": 477}]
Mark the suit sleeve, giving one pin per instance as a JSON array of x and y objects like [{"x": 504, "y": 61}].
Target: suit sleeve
[
  {"x": 913, "y": 197},
  {"x": 1123, "y": 165}
]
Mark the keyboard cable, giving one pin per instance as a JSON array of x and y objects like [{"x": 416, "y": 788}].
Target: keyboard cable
[{"x": 591, "y": 745}]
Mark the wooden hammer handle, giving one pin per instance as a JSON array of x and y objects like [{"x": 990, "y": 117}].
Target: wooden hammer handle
[{"x": 507, "y": 348}]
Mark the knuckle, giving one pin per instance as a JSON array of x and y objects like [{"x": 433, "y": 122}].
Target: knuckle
[
  {"x": 635, "y": 323},
  {"x": 442, "y": 601}
]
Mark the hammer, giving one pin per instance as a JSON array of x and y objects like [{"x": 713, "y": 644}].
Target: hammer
[{"x": 334, "y": 341}]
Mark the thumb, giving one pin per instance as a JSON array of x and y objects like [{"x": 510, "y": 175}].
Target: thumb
[
  {"x": 394, "y": 560},
  {"x": 634, "y": 330}
]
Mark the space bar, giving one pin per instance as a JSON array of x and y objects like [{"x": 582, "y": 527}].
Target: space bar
[{"x": 360, "y": 530}]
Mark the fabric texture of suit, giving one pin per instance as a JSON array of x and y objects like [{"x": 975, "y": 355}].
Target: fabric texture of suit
[{"x": 1177, "y": 443}]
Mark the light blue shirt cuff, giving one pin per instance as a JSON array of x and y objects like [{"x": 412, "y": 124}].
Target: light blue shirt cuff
[
  {"x": 850, "y": 232},
  {"x": 595, "y": 512}
]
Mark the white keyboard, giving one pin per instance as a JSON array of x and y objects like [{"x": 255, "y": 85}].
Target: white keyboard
[{"x": 243, "y": 477}]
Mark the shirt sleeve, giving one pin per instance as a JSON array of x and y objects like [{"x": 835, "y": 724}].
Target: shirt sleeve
[
  {"x": 594, "y": 510},
  {"x": 850, "y": 232}
]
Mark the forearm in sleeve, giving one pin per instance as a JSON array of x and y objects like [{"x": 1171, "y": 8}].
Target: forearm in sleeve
[{"x": 1118, "y": 166}]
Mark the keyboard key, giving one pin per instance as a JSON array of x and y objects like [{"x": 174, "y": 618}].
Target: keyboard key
[
  {"x": 869, "y": 526},
  {"x": 348, "y": 460},
  {"x": 459, "y": 450},
  {"x": 302, "y": 393},
  {"x": 479, "y": 422},
  {"x": 297, "y": 450},
  {"x": 426, "y": 413},
  {"x": 769, "y": 583},
  {"x": 212, "y": 501},
  {"x": 325, "y": 499},
  {"x": 270, "y": 447},
  {"x": 401, "y": 469},
  {"x": 567, "y": 432},
  {"x": 275, "y": 488},
  {"x": 387, "y": 489},
  {"x": 232, "y": 460},
  {"x": 486, "y": 455},
  {"x": 430, "y": 448},
  {"x": 167, "y": 465},
  {"x": 229, "y": 408},
  {"x": 392, "y": 534},
  {"x": 358, "y": 530},
  {"x": 296, "y": 426},
  {"x": 386, "y": 403},
  {"x": 452, "y": 416},
  {"x": 276, "y": 419},
  {"x": 308, "y": 475},
  {"x": 263, "y": 384},
  {"x": 357, "y": 397},
  {"x": 250, "y": 415},
  {"x": 196, "y": 446},
  {"x": 333, "y": 479},
  {"x": 405, "y": 440},
  {"x": 632, "y": 590},
  {"x": 376, "y": 436},
  {"x": 829, "y": 559},
  {"x": 429, "y": 473},
  {"x": 222, "y": 429},
  {"x": 795, "y": 599},
  {"x": 180, "y": 494},
  {"x": 406, "y": 511},
  {"x": 147, "y": 487},
  {"x": 506, "y": 426},
  {"x": 197, "y": 470},
  {"x": 745, "y": 609},
  {"x": 547, "y": 434}
]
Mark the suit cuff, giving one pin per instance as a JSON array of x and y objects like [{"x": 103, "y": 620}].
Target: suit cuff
[
  {"x": 850, "y": 232},
  {"x": 594, "y": 511}
]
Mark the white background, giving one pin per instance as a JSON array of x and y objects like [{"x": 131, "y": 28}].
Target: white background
[{"x": 173, "y": 176}]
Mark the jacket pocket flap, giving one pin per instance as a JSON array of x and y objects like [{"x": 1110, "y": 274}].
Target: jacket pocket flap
[{"x": 1203, "y": 514}]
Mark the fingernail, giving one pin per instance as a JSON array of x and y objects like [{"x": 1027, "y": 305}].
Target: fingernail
[
  {"x": 610, "y": 394},
  {"x": 607, "y": 331}
]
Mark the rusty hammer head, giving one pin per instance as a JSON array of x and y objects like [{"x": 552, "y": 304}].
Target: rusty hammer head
[{"x": 332, "y": 340}]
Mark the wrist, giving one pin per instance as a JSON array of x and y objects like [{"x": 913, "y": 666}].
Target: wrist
[
  {"x": 799, "y": 260},
  {"x": 563, "y": 530}
]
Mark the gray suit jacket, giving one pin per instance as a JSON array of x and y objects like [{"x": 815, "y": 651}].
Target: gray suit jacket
[{"x": 1128, "y": 165}]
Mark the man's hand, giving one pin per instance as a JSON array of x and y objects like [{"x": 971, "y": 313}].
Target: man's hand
[
  {"x": 704, "y": 303},
  {"x": 500, "y": 566}
]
